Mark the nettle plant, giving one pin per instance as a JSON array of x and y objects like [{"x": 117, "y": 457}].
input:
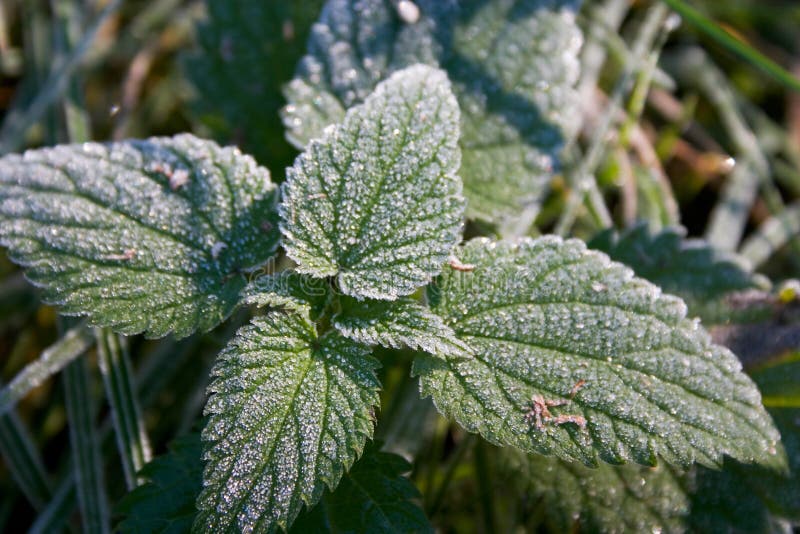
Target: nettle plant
[{"x": 408, "y": 124}]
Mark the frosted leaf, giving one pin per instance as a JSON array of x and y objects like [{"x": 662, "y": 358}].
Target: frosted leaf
[
  {"x": 107, "y": 231},
  {"x": 513, "y": 65},
  {"x": 373, "y": 496},
  {"x": 288, "y": 413},
  {"x": 377, "y": 200},
  {"x": 288, "y": 289},
  {"x": 403, "y": 322},
  {"x": 692, "y": 269},
  {"x": 618, "y": 370}
]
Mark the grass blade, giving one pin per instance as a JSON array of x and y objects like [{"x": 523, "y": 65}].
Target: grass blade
[
  {"x": 584, "y": 183},
  {"x": 19, "y": 120},
  {"x": 773, "y": 234},
  {"x": 134, "y": 447},
  {"x": 23, "y": 460},
  {"x": 743, "y": 50},
  {"x": 58, "y": 510},
  {"x": 752, "y": 172},
  {"x": 71, "y": 345},
  {"x": 85, "y": 448}
]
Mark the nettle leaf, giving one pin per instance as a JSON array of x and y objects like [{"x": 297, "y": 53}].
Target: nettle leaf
[
  {"x": 608, "y": 498},
  {"x": 621, "y": 498},
  {"x": 289, "y": 412},
  {"x": 404, "y": 322},
  {"x": 165, "y": 504},
  {"x": 377, "y": 200},
  {"x": 513, "y": 65},
  {"x": 142, "y": 236},
  {"x": 549, "y": 320},
  {"x": 289, "y": 289},
  {"x": 705, "y": 278},
  {"x": 263, "y": 40},
  {"x": 749, "y": 498},
  {"x": 373, "y": 496}
]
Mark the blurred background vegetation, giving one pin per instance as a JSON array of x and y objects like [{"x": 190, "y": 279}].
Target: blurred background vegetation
[{"x": 699, "y": 136}]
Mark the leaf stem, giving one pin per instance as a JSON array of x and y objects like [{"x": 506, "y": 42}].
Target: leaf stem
[
  {"x": 57, "y": 511},
  {"x": 484, "y": 483}
]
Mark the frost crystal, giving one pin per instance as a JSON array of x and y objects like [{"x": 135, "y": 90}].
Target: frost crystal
[
  {"x": 377, "y": 200},
  {"x": 143, "y": 236}
]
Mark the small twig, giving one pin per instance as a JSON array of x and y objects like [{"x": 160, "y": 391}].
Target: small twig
[{"x": 456, "y": 265}]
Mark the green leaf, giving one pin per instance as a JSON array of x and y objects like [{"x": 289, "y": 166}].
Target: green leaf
[
  {"x": 705, "y": 278},
  {"x": 739, "y": 497},
  {"x": 633, "y": 498},
  {"x": 547, "y": 317},
  {"x": 779, "y": 490},
  {"x": 264, "y": 40},
  {"x": 749, "y": 498},
  {"x": 403, "y": 322},
  {"x": 722, "y": 501},
  {"x": 608, "y": 498},
  {"x": 377, "y": 200},
  {"x": 372, "y": 497},
  {"x": 289, "y": 412},
  {"x": 141, "y": 236},
  {"x": 513, "y": 66},
  {"x": 165, "y": 504},
  {"x": 289, "y": 289}
]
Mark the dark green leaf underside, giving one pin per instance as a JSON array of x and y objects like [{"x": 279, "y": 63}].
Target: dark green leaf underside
[
  {"x": 631, "y": 498},
  {"x": 264, "y": 40},
  {"x": 165, "y": 504},
  {"x": 608, "y": 498}
]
